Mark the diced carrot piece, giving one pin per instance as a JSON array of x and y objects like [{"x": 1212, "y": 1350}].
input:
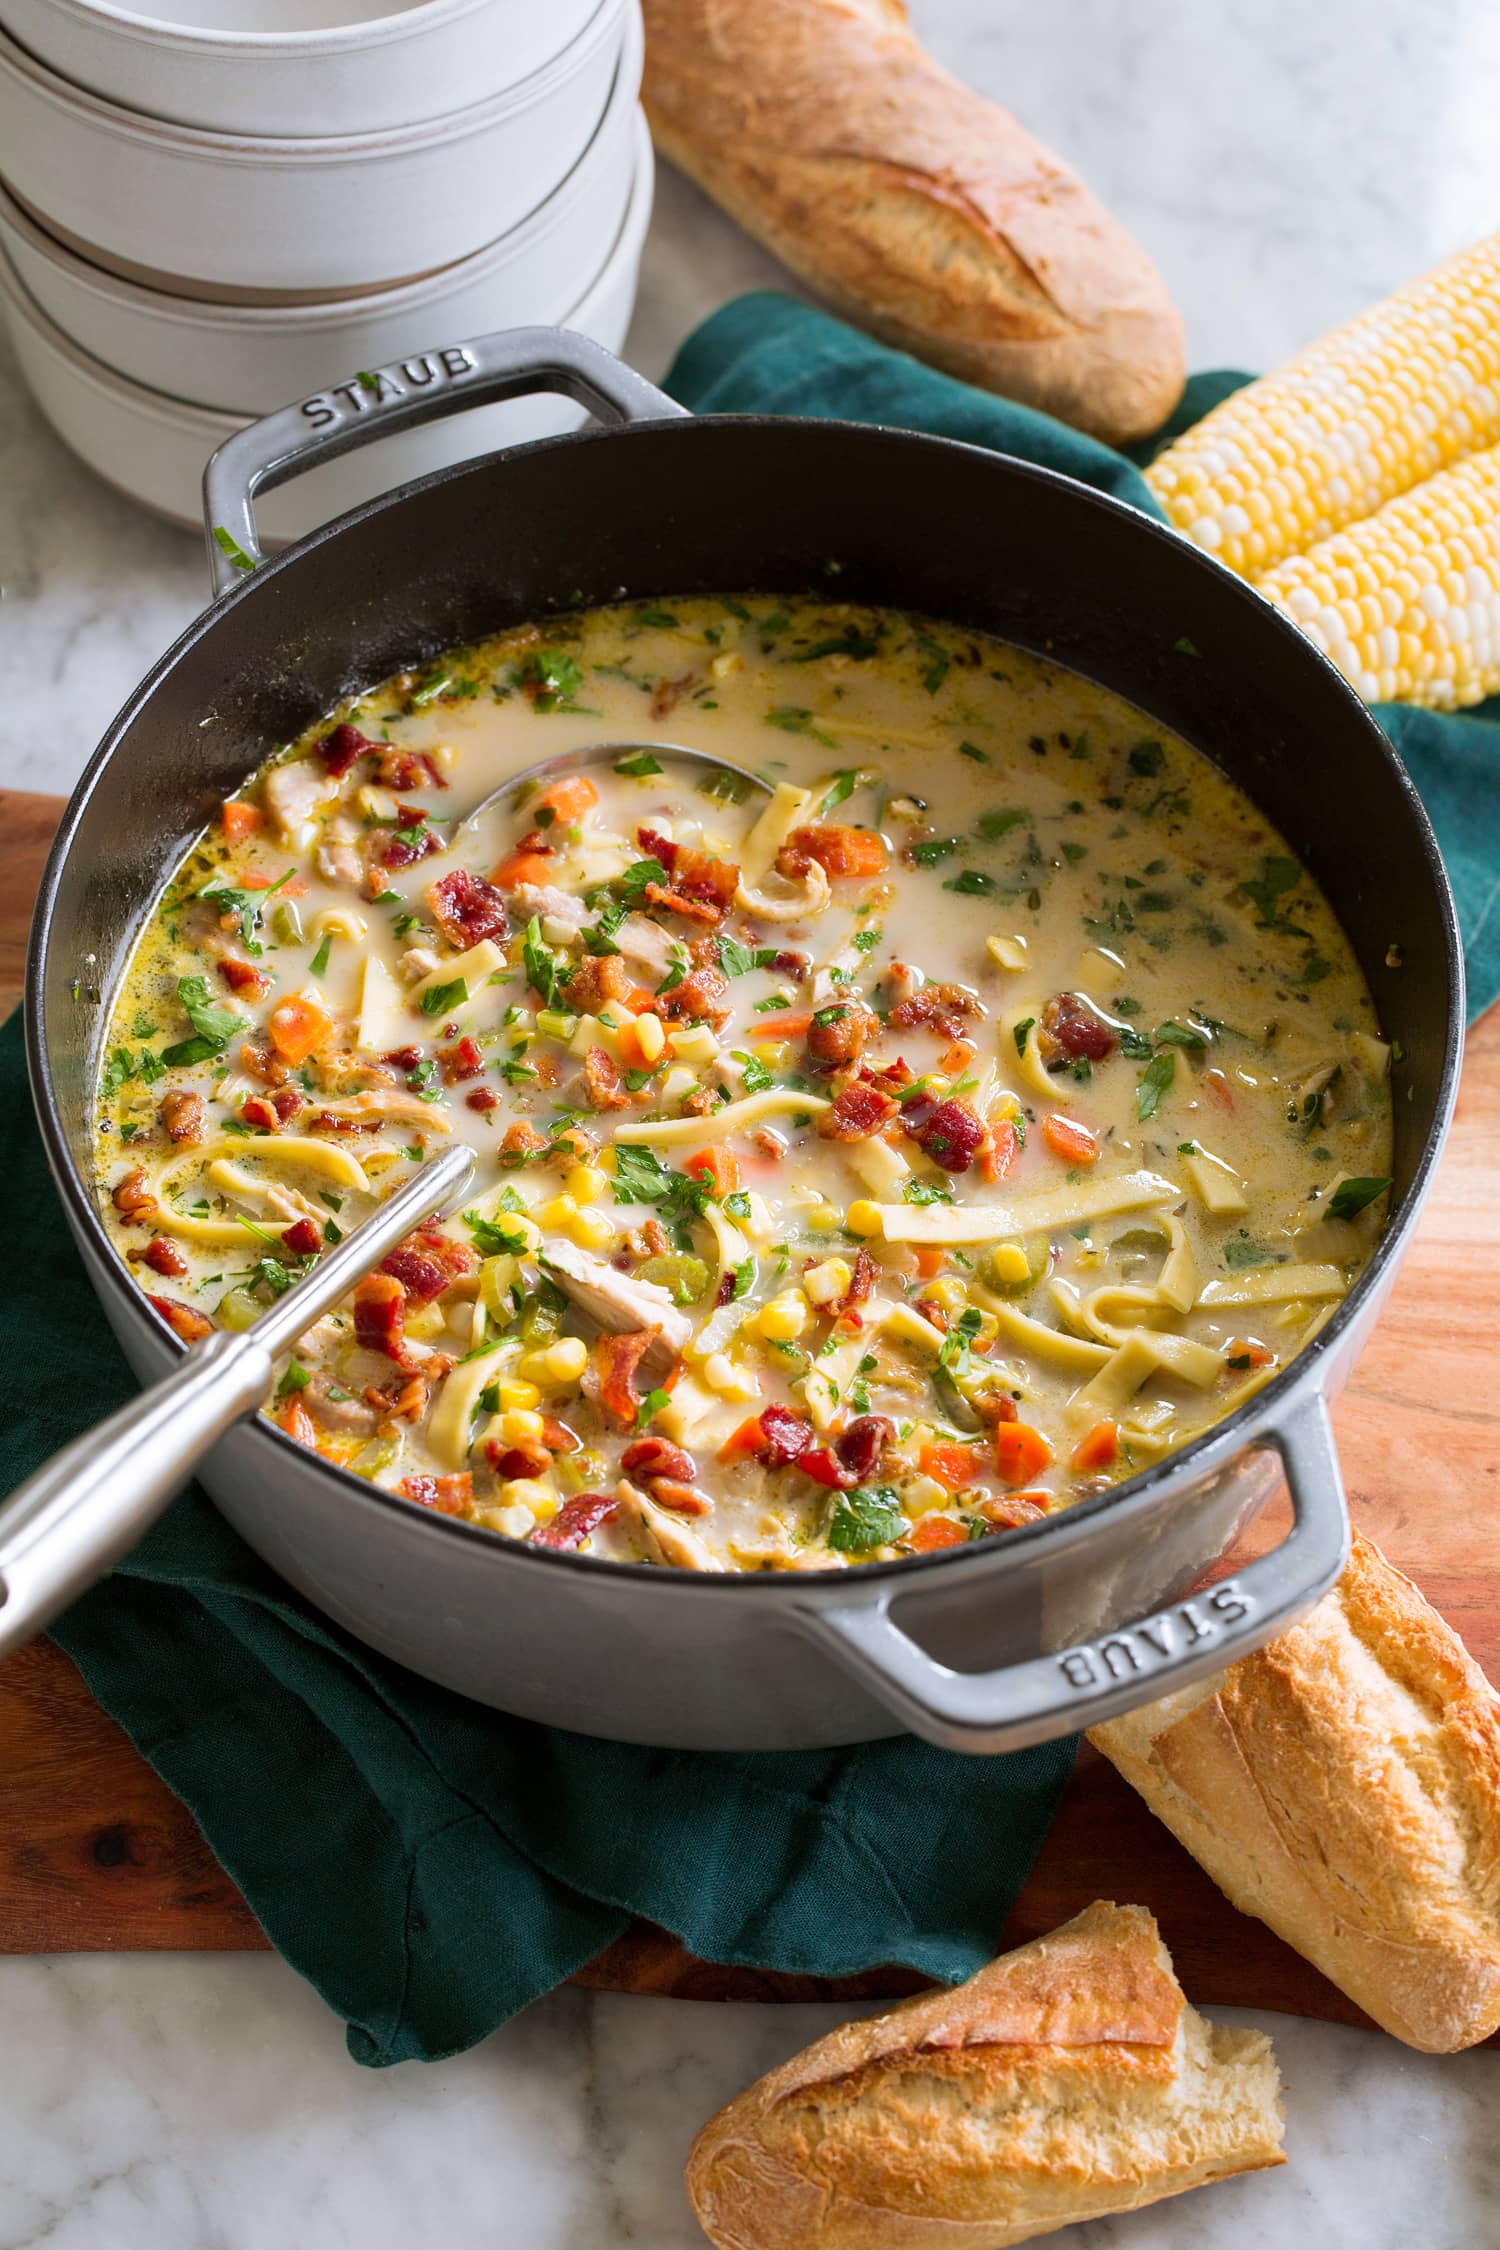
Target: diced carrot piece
[
  {"x": 639, "y": 1001},
  {"x": 744, "y": 1442},
  {"x": 840, "y": 851},
  {"x": 998, "y": 1156},
  {"x": 298, "y": 1026},
  {"x": 950, "y": 1465},
  {"x": 262, "y": 879},
  {"x": 299, "y": 1424},
  {"x": 788, "y": 1026},
  {"x": 1098, "y": 1447},
  {"x": 1066, "y": 1138},
  {"x": 565, "y": 802},
  {"x": 956, "y": 1059},
  {"x": 1243, "y": 1351},
  {"x": 1218, "y": 1088},
  {"x": 930, "y": 1260},
  {"x": 935, "y": 1532},
  {"x": 1021, "y": 1452},
  {"x": 719, "y": 1166},
  {"x": 522, "y": 867},
  {"x": 239, "y": 820}
]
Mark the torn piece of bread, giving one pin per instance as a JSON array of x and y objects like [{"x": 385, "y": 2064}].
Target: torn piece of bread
[
  {"x": 912, "y": 204},
  {"x": 1067, "y": 2080},
  {"x": 1343, "y": 1783}
]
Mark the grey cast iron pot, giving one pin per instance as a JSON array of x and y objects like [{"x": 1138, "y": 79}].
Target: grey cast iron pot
[{"x": 1008, "y": 1642}]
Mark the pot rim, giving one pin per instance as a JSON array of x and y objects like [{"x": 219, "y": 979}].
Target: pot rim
[{"x": 1140, "y": 1495}]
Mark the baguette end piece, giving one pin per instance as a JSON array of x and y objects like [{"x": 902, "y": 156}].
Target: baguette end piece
[{"x": 1067, "y": 2080}]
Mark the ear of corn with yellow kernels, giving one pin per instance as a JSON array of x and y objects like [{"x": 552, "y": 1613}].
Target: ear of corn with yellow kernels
[
  {"x": 1407, "y": 603},
  {"x": 1367, "y": 412}
]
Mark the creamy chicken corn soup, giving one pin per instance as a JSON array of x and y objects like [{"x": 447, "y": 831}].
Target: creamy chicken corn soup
[{"x": 867, "y": 1165}]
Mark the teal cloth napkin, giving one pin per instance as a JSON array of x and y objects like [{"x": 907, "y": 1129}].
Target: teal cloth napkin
[{"x": 432, "y": 1866}]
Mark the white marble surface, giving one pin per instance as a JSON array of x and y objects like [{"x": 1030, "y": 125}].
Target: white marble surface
[{"x": 1285, "y": 163}]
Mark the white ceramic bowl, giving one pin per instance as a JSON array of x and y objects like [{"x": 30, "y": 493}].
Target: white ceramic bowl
[
  {"x": 154, "y": 448},
  {"x": 292, "y": 67},
  {"x": 327, "y": 216},
  {"x": 251, "y": 358}
]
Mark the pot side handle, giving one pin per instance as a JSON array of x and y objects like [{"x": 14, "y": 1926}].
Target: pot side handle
[
  {"x": 1070, "y": 1689},
  {"x": 376, "y": 402}
]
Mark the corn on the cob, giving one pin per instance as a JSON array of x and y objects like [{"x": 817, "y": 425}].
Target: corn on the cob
[
  {"x": 1375, "y": 407},
  {"x": 1407, "y": 603}
]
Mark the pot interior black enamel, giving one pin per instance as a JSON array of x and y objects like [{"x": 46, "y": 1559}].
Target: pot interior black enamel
[{"x": 679, "y": 507}]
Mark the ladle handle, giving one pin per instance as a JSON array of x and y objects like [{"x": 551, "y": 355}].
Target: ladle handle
[
  {"x": 91, "y": 1502},
  {"x": 423, "y": 387}
]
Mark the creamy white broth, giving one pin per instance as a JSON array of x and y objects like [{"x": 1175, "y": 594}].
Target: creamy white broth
[{"x": 1099, "y": 1194}]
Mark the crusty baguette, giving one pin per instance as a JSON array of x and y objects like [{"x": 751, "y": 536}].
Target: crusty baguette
[
  {"x": 912, "y": 204},
  {"x": 1344, "y": 1784},
  {"x": 1067, "y": 2080}
]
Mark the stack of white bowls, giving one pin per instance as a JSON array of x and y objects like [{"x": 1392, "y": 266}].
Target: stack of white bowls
[{"x": 205, "y": 218}]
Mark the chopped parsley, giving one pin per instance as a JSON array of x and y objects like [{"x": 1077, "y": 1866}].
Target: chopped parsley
[
  {"x": 868, "y": 1515},
  {"x": 1352, "y": 1196},
  {"x": 439, "y": 998},
  {"x": 213, "y": 1026},
  {"x": 1155, "y": 1080},
  {"x": 792, "y": 718},
  {"x": 638, "y": 767}
]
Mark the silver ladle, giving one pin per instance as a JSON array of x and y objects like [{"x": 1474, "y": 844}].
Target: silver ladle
[
  {"x": 567, "y": 762},
  {"x": 90, "y": 1504}
]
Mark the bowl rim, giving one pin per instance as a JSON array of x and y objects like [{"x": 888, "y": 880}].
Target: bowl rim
[
  {"x": 1139, "y": 1496},
  {"x": 215, "y": 424},
  {"x": 334, "y": 313},
  {"x": 112, "y": 120},
  {"x": 156, "y": 32}
]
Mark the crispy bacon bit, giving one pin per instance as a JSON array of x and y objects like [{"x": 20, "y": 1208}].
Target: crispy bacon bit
[
  {"x": 574, "y": 1520},
  {"x": 952, "y": 1136},
  {"x": 861, "y": 1286},
  {"x": 703, "y": 994},
  {"x": 303, "y": 1238},
  {"x": 182, "y": 1114},
  {"x": 558, "y": 1438},
  {"x": 428, "y": 1262},
  {"x": 946, "y": 1008},
  {"x": 861, "y": 1446},
  {"x": 618, "y": 1358},
  {"x": 407, "y": 769},
  {"x": 701, "y": 884},
  {"x": 1071, "y": 1027},
  {"x": 339, "y": 750},
  {"x": 271, "y": 1111},
  {"x": 601, "y": 1077},
  {"x": 596, "y": 981},
  {"x": 132, "y": 1196},
  {"x": 449, "y": 1495},
  {"x": 520, "y": 1142},
  {"x": 404, "y": 1400},
  {"x": 467, "y": 909},
  {"x": 387, "y": 850},
  {"x": 460, "y": 1061},
  {"x": 260, "y": 1061},
  {"x": 243, "y": 976},
  {"x": 837, "y": 1034},
  {"x": 682, "y": 1499},
  {"x": 649, "y": 1457},
  {"x": 785, "y": 1436},
  {"x": 403, "y": 1058},
  {"x": 483, "y": 1098},
  {"x": 530, "y": 1459},
  {"x": 857, "y": 1112},
  {"x": 995, "y": 1406},
  {"x": 163, "y": 1257},
  {"x": 379, "y": 1316},
  {"x": 669, "y": 693},
  {"x": 1007, "y": 1510},
  {"x": 790, "y": 964},
  {"x": 330, "y": 1121},
  {"x": 189, "y": 1325}
]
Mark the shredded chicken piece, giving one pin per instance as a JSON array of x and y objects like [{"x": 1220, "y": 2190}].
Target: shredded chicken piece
[{"x": 663, "y": 1533}]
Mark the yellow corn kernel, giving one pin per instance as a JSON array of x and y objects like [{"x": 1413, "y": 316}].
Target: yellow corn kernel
[
  {"x": 1443, "y": 648},
  {"x": 784, "y": 1318},
  {"x": 530, "y": 1492},
  {"x": 920, "y": 1495},
  {"x": 1009, "y": 1262},
  {"x": 513, "y": 1523},
  {"x": 1389, "y": 399},
  {"x": 591, "y": 1229},
  {"x": 1006, "y": 952},
  {"x": 696, "y": 1044},
  {"x": 721, "y": 1375},
  {"x": 987, "y": 1331},
  {"x": 519, "y": 1397},
  {"x": 651, "y": 1036},
  {"x": 585, "y": 1183},
  {"x": 560, "y": 1212},
  {"x": 567, "y": 1359},
  {"x": 825, "y": 1218},
  {"x": 827, "y": 1282},
  {"x": 605, "y": 1162},
  {"x": 775, "y": 1053},
  {"x": 863, "y": 1218},
  {"x": 949, "y": 1292}
]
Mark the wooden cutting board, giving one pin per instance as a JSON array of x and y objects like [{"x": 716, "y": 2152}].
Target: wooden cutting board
[{"x": 95, "y": 1852}]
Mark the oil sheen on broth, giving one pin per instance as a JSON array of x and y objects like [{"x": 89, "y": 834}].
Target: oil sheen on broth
[{"x": 865, "y": 1169}]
